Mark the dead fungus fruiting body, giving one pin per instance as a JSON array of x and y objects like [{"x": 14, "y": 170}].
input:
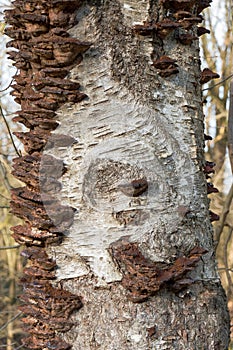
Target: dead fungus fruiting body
[
  {"x": 143, "y": 278},
  {"x": 44, "y": 55}
]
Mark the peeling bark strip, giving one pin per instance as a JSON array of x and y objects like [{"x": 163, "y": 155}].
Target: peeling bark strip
[{"x": 45, "y": 54}]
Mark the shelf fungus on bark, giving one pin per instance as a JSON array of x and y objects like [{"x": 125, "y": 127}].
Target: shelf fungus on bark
[
  {"x": 39, "y": 257},
  {"x": 202, "y": 4},
  {"x": 187, "y": 38},
  {"x": 44, "y": 212},
  {"x": 188, "y": 22},
  {"x": 39, "y": 173},
  {"x": 211, "y": 188},
  {"x": 145, "y": 29},
  {"x": 186, "y": 5},
  {"x": 177, "y": 5},
  {"x": 202, "y": 31},
  {"x": 134, "y": 188},
  {"x": 161, "y": 29},
  {"x": 182, "y": 14},
  {"x": 30, "y": 236},
  {"x": 48, "y": 309},
  {"x": 207, "y": 75},
  {"x": 165, "y": 27},
  {"x": 45, "y": 54},
  {"x": 37, "y": 343},
  {"x": 213, "y": 216},
  {"x": 143, "y": 278},
  {"x": 209, "y": 167},
  {"x": 166, "y": 66},
  {"x": 208, "y": 137}
]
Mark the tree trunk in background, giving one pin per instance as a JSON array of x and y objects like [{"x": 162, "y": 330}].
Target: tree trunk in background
[{"x": 139, "y": 252}]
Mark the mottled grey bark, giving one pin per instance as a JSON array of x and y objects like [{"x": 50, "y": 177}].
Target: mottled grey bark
[{"x": 137, "y": 125}]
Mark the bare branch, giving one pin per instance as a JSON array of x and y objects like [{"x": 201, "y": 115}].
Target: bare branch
[
  {"x": 11, "y": 320},
  {"x": 225, "y": 260},
  {"x": 9, "y": 132},
  {"x": 10, "y": 247},
  {"x": 222, "y": 81},
  {"x": 224, "y": 214},
  {"x": 1, "y": 195},
  {"x": 230, "y": 127}
]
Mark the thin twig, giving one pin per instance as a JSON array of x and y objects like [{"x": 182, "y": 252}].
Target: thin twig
[
  {"x": 1, "y": 195},
  {"x": 19, "y": 347},
  {"x": 9, "y": 132},
  {"x": 10, "y": 247},
  {"x": 11, "y": 320},
  {"x": 3, "y": 176},
  {"x": 230, "y": 127},
  {"x": 222, "y": 81},
  {"x": 220, "y": 269},
  {"x": 225, "y": 261},
  {"x": 224, "y": 214},
  {"x": 5, "y": 346}
]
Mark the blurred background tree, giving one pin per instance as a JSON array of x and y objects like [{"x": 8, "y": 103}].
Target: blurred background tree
[{"x": 217, "y": 55}]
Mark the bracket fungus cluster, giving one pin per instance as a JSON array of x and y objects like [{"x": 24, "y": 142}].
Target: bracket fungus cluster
[
  {"x": 143, "y": 278},
  {"x": 166, "y": 66},
  {"x": 208, "y": 169},
  {"x": 44, "y": 53},
  {"x": 179, "y": 20}
]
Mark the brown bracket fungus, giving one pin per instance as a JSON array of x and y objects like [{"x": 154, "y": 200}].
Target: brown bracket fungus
[
  {"x": 177, "y": 5},
  {"x": 45, "y": 54},
  {"x": 166, "y": 66},
  {"x": 187, "y": 38},
  {"x": 209, "y": 167},
  {"x": 202, "y": 31},
  {"x": 165, "y": 27},
  {"x": 213, "y": 216},
  {"x": 143, "y": 277},
  {"x": 211, "y": 188},
  {"x": 208, "y": 137},
  {"x": 207, "y": 75}
]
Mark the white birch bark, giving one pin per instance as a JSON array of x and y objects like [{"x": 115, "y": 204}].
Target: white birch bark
[{"x": 136, "y": 125}]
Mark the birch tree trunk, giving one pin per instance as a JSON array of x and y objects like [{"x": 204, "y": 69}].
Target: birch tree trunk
[{"x": 139, "y": 252}]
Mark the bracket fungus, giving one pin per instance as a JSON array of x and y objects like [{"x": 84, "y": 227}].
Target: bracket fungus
[
  {"x": 202, "y": 31},
  {"x": 187, "y": 38},
  {"x": 207, "y": 75},
  {"x": 45, "y": 54},
  {"x": 166, "y": 66},
  {"x": 213, "y": 216},
  {"x": 143, "y": 278}
]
